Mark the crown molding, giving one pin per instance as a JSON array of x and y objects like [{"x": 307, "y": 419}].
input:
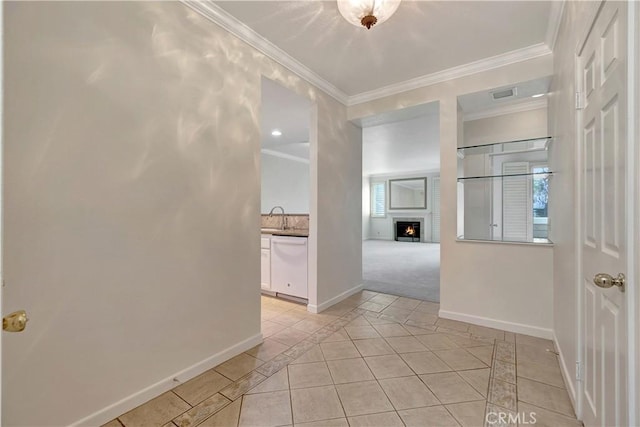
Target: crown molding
[
  {"x": 219, "y": 16},
  {"x": 507, "y": 109},
  {"x": 282, "y": 155},
  {"x": 405, "y": 174},
  {"x": 555, "y": 18},
  {"x": 486, "y": 64}
]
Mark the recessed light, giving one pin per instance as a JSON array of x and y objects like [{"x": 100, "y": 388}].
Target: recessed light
[
  {"x": 276, "y": 132},
  {"x": 537, "y": 95}
]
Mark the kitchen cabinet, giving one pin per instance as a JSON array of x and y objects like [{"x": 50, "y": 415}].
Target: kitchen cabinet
[
  {"x": 289, "y": 265},
  {"x": 265, "y": 262}
]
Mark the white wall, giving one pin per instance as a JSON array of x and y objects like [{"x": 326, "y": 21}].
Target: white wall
[
  {"x": 132, "y": 213},
  {"x": 506, "y": 127},
  {"x": 366, "y": 207},
  {"x": 285, "y": 183},
  {"x": 501, "y": 285},
  {"x": 400, "y": 146},
  {"x": 339, "y": 207},
  {"x": 382, "y": 228}
]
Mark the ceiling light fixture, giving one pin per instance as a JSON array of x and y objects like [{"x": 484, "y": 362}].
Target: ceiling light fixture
[
  {"x": 367, "y": 12},
  {"x": 538, "y": 95},
  {"x": 276, "y": 132}
]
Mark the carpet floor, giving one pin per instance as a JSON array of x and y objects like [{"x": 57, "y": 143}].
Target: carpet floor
[{"x": 401, "y": 268}]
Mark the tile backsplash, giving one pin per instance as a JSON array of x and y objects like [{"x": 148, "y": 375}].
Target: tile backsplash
[{"x": 300, "y": 222}]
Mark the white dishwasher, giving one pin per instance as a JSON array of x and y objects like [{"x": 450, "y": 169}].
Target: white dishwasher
[
  {"x": 289, "y": 265},
  {"x": 265, "y": 262}
]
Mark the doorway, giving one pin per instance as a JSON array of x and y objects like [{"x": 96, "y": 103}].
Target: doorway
[
  {"x": 285, "y": 126},
  {"x": 401, "y": 202}
]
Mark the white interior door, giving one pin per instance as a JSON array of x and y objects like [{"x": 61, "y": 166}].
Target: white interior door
[{"x": 602, "y": 83}]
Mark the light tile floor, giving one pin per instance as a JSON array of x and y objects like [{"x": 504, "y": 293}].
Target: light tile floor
[{"x": 371, "y": 360}]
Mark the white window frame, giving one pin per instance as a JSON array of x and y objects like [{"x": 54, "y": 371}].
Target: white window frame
[
  {"x": 373, "y": 213},
  {"x": 532, "y": 167}
]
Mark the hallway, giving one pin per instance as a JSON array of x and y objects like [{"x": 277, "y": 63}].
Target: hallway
[{"x": 372, "y": 360}]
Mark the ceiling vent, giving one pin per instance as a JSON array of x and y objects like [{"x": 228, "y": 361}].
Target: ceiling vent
[{"x": 504, "y": 93}]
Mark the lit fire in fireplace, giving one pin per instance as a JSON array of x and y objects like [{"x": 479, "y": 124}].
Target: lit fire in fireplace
[{"x": 407, "y": 231}]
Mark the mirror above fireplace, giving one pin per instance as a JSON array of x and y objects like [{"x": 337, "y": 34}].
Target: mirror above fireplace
[{"x": 408, "y": 193}]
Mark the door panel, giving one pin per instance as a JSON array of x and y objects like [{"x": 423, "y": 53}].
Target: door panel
[
  {"x": 602, "y": 80},
  {"x": 590, "y": 184},
  {"x": 612, "y": 406},
  {"x": 611, "y": 179},
  {"x": 590, "y": 380}
]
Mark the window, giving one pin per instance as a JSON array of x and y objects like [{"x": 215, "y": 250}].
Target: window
[
  {"x": 504, "y": 191},
  {"x": 540, "y": 202},
  {"x": 378, "y": 199}
]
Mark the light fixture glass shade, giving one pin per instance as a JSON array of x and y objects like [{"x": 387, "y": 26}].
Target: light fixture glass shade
[{"x": 355, "y": 10}]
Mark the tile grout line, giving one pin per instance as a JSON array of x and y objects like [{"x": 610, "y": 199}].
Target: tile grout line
[
  {"x": 240, "y": 410},
  {"x": 515, "y": 371},
  {"x": 350, "y": 315},
  {"x": 393, "y": 321},
  {"x": 493, "y": 359},
  {"x": 543, "y": 383},
  {"x": 180, "y": 397},
  {"x": 451, "y": 413},
  {"x": 232, "y": 381},
  {"x": 420, "y": 379},
  {"x": 290, "y": 394}
]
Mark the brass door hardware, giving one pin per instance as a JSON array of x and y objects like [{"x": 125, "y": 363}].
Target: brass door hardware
[
  {"x": 15, "y": 322},
  {"x": 605, "y": 280}
]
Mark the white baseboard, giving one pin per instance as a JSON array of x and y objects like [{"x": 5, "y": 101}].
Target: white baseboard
[
  {"x": 312, "y": 308},
  {"x": 268, "y": 292},
  {"x": 138, "y": 398},
  {"x": 518, "y": 328},
  {"x": 567, "y": 376}
]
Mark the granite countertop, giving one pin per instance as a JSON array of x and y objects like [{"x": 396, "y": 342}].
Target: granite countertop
[{"x": 296, "y": 232}]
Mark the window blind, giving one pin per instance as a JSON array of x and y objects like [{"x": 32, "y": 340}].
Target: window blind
[{"x": 378, "y": 199}]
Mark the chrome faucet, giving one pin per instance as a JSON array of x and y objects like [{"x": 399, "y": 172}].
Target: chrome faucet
[{"x": 283, "y": 223}]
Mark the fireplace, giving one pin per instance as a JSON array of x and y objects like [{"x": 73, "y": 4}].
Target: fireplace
[{"x": 407, "y": 231}]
